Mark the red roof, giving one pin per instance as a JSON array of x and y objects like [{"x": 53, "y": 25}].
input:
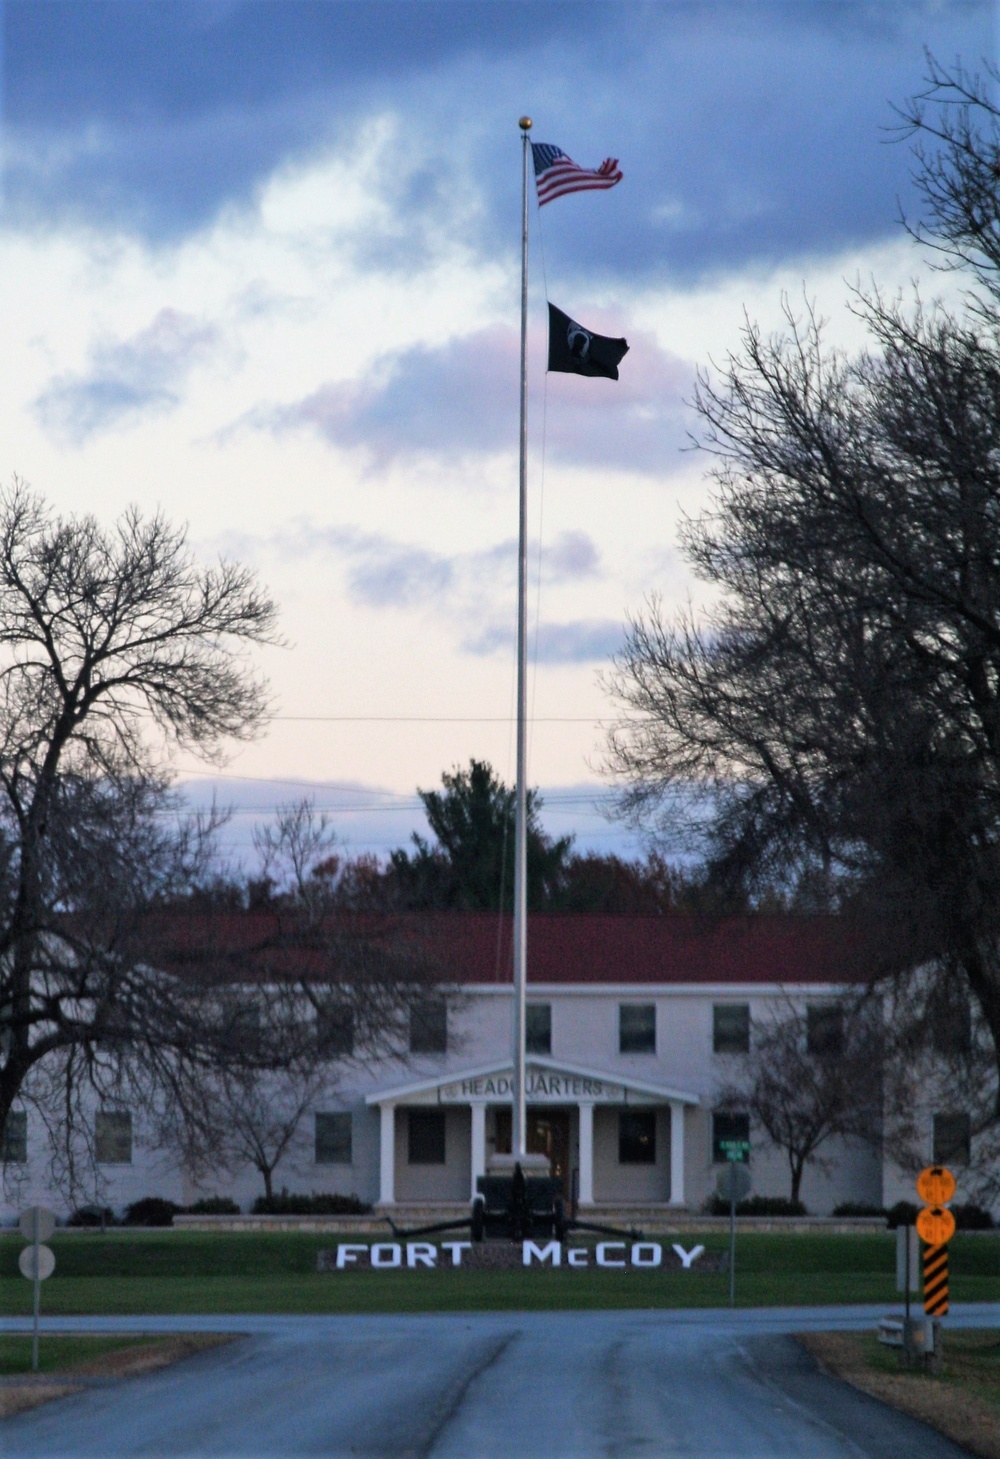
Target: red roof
[
  {"x": 475, "y": 947},
  {"x": 676, "y": 948}
]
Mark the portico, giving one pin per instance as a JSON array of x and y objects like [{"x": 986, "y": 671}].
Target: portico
[{"x": 606, "y": 1118}]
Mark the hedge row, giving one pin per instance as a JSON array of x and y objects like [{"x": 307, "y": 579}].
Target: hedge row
[{"x": 156, "y": 1211}]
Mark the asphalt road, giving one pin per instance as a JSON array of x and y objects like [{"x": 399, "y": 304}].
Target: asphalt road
[{"x": 485, "y": 1385}]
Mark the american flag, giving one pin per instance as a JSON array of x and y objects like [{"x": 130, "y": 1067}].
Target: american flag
[{"x": 555, "y": 173}]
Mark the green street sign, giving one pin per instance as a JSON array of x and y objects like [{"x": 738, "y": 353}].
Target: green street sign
[{"x": 735, "y": 1149}]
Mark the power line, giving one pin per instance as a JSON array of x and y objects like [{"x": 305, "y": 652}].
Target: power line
[
  {"x": 435, "y": 719},
  {"x": 354, "y": 810}
]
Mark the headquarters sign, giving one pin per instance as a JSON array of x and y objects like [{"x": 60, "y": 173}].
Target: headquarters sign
[{"x": 540, "y": 1084}]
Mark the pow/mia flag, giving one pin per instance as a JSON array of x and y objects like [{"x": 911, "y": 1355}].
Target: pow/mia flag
[{"x": 578, "y": 351}]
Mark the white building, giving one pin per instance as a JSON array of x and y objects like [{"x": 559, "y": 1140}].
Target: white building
[{"x": 634, "y": 1024}]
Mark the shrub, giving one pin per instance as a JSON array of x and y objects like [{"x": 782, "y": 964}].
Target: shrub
[
  {"x": 903, "y": 1213},
  {"x": 214, "y": 1206},
  {"x": 314, "y": 1205},
  {"x": 972, "y": 1218},
  {"x": 92, "y": 1216},
  {"x": 151, "y": 1211},
  {"x": 758, "y": 1206},
  {"x": 858, "y": 1208}
]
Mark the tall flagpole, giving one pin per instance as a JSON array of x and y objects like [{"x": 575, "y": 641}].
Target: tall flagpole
[{"x": 519, "y": 1121}]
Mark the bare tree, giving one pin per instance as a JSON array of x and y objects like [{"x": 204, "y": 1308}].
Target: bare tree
[
  {"x": 812, "y": 1076},
  {"x": 940, "y": 1085},
  {"x": 956, "y": 123},
  {"x": 298, "y": 859},
  {"x": 116, "y": 647},
  {"x": 841, "y": 704},
  {"x": 311, "y": 988},
  {"x": 358, "y": 972},
  {"x": 261, "y": 1114}
]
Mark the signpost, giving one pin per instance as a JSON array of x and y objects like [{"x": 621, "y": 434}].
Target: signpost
[
  {"x": 907, "y": 1263},
  {"x": 733, "y": 1185},
  {"x": 936, "y": 1185},
  {"x": 919, "y": 1339},
  {"x": 36, "y": 1261}
]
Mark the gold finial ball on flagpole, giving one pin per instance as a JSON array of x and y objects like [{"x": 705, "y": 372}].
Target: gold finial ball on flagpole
[{"x": 525, "y": 124}]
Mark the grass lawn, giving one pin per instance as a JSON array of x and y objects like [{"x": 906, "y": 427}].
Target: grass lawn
[
  {"x": 180, "y": 1272},
  {"x": 971, "y": 1362},
  {"x": 59, "y": 1354}
]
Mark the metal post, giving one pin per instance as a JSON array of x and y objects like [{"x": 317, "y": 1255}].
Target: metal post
[
  {"x": 732, "y": 1236},
  {"x": 35, "y": 1218},
  {"x": 907, "y": 1243},
  {"x": 519, "y": 1112}
]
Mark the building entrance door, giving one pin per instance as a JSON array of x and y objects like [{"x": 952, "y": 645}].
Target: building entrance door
[{"x": 547, "y": 1134}]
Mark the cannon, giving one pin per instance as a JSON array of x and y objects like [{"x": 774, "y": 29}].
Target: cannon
[{"x": 517, "y": 1207}]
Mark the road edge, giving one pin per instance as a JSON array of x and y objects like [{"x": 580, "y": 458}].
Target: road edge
[{"x": 960, "y": 1416}]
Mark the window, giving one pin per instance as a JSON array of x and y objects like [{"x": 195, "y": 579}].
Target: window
[
  {"x": 333, "y": 1139},
  {"x": 952, "y": 1139},
  {"x": 426, "y": 1137},
  {"x": 727, "y": 1126},
  {"x": 637, "y": 1028},
  {"x": 731, "y": 1028},
  {"x": 538, "y": 1028},
  {"x": 637, "y": 1137},
  {"x": 824, "y": 1028},
  {"x": 429, "y": 1027},
  {"x": 15, "y": 1138},
  {"x": 950, "y": 1018},
  {"x": 335, "y": 1030},
  {"x": 240, "y": 1025},
  {"x": 113, "y": 1137}
]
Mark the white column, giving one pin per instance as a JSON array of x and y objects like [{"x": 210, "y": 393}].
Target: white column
[
  {"x": 387, "y": 1156},
  {"x": 676, "y": 1153},
  {"x": 586, "y": 1154},
  {"x": 478, "y": 1143}
]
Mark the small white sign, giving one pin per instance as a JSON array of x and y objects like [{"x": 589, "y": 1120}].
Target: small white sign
[
  {"x": 46, "y": 1262},
  {"x": 37, "y": 1223}
]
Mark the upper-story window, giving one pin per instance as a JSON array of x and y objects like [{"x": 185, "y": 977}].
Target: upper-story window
[
  {"x": 240, "y": 1023},
  {"x": 637, "y": 1028},
  {"x": 113, "y": 1137},
  {"x": 15, "y": 1138},
  {"x": 429, "y": 1027},
  {"x": 951, "y": 1023},
  {"x": 538, "y": 1028},
  {"x": 731, "y": 1028},
  {"x": 952, "y": 1138},
  {"x": 824, "y": 1028},
  {"x": 335, "y": 1029}
]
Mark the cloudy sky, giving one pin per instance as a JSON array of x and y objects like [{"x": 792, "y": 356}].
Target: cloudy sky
[{"x": 259, "y": 267}]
